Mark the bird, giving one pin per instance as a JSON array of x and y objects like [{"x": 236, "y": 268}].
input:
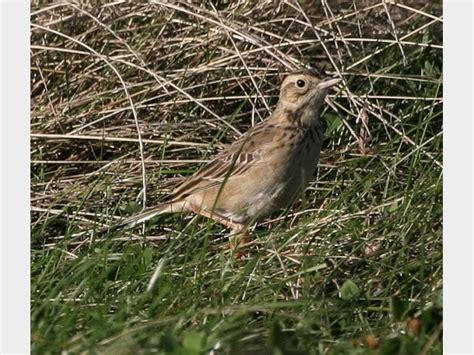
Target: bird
[{"x": 262, "y": 171}]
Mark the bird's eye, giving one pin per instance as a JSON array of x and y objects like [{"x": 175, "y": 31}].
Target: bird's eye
[{"x": 300, "y": 83}]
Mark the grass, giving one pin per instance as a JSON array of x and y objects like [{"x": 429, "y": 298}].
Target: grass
[{"x": 127, "y": 99}]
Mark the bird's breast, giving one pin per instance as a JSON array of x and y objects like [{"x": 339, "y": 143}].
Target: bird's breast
[{"x": 283, "y": 170}]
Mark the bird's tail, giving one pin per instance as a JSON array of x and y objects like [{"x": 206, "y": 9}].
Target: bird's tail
[{"x": 146, "y": 215}]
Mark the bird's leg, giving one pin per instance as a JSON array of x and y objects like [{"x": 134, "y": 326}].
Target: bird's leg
[
  {"x": 240, "y": 236},
  {"x": 238, "y": 242}
]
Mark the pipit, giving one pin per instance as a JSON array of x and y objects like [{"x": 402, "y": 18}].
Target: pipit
[{"x": 264, "y": 170}]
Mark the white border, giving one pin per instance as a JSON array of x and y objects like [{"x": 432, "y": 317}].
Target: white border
[
  {"x": 14, "y": 177},
  {"x": 472, "y": 166},
  {"x": 458, "y": 174}
]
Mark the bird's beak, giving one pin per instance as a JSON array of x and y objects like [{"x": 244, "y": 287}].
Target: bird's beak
[{"x": 328, "y": 83}]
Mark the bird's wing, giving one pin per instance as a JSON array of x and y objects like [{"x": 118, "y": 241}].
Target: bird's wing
[{"x": 235, "y": 160}]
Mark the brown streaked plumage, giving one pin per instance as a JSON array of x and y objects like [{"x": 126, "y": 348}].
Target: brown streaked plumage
[{"x": 263, "y": 170}]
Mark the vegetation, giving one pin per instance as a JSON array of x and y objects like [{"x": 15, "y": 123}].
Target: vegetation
[{"x": 129, "y": 98}]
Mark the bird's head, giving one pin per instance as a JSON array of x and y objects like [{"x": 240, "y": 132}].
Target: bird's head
[{"x": 303, "y": 93}]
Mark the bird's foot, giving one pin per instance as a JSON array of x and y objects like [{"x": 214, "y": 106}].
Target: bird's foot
[{"x": 239, "y": 243}]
